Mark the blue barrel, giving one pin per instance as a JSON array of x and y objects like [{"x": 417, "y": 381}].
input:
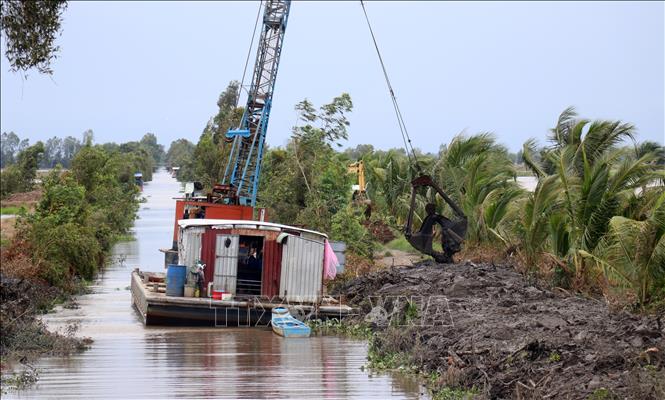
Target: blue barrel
[{"x": 175, "y": 280}]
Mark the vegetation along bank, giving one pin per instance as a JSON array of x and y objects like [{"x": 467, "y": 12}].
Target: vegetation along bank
[{"x": 60, "y": 241}]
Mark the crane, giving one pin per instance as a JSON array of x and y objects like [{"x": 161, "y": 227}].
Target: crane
[
  {"x": 241, "y": 175},
  {"x": 235, "y": 196}
]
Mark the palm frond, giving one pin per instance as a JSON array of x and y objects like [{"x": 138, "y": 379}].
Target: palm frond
[
  {"x": 603, "y": 135},
  {"x": 560, "y": 133},
  {"x": 529, "y": 149}
]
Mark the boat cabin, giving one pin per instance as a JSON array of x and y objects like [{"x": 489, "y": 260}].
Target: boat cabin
[{"x": 246, "y": 258}]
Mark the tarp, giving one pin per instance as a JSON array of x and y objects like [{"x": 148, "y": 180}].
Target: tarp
[{"x": 330, "y": 262}]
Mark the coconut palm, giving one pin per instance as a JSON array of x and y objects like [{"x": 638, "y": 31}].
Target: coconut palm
[
  {"x": 539, "y": 215},
  {"x": 596, "y": 182},
  {"x": 632, "y": 253},
  {"x": 479, "y": 175}
]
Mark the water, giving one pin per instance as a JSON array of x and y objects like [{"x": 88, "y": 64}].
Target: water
[
  {"x": 527, "y": 182},
  {"x": 128, "y": 360}
]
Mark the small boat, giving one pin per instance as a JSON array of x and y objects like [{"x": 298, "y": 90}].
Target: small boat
[{"x": 286, "y": 326}]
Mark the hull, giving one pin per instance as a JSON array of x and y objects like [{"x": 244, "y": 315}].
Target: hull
[
  {"x": 155, "y": 308},
  {"x": 291, "y": 332},
  {"x": 286, "y": 326}
]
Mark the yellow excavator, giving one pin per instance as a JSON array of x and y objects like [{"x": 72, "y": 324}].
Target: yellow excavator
[
  {"x": 359, "y": 197},
  {"x": 360, "y": 187}
]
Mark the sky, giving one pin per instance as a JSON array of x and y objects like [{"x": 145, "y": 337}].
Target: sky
[{"x": 127, "y": 68}]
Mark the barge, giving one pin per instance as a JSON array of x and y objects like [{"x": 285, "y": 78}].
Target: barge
[{"x": 257, "y": 265}]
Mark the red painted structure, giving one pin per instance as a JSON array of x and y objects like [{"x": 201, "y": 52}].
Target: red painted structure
[
  {"x": 272, "y": 256},
  {"x": 212, "y": 211},
  {"x": 272, "y": 267}
]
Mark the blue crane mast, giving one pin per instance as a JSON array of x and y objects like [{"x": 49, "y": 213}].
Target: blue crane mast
[{"x": 241, "y": 175}]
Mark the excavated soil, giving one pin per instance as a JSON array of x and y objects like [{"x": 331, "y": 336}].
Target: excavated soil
[
  {"x": 488, "y": 328},
  {"x": 28, "y": 199}
]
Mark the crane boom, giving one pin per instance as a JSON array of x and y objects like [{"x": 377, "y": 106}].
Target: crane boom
[{"x": 244, "y": 163}]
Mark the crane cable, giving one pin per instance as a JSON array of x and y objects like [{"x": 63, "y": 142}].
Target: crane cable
[
  {"x": 242, "y": 83},
  {"x": 408, "y": 146},
  {"x": 249, "y": 53}
]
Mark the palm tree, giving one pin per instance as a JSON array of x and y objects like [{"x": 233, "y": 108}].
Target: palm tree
[
  {"x": 595, "y": 182},
  {"x": 479, "y": 175},
  {"x": 632, "y": 253}
]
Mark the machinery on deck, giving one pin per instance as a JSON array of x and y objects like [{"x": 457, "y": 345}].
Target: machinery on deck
[
  {"x": 241, "y": 176},
  {"x": 235, "y": 197}
]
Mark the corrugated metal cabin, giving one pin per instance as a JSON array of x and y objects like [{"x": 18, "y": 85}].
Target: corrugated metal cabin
[{"x": 254, "y": 258}]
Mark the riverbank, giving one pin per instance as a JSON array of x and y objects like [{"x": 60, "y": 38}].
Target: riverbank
[
  {"x": 24, "y": 337},
  {"x": 191, "y": 362},
  {"x": 486, "y": 331},
  {"x": 60, "y": 241}
]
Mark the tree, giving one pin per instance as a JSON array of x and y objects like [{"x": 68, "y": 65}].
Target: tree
[
  {"x": 228, "y": 115},
  {"x": 651, "y": 147},
  {"x": 479, "y": 175},
  {"x": 359, "y": 151},
  {"x": 587, "y": 181},
  {"x": 9, "y": 142},
  {"x": 211, "y": 152},
  {"x": 52, "y": 153},
  {"x": 156, "y": 150},
  {"x": 180, "y": 154},
  {"x": 209, "y": 160},
  {"x": 308, "y": 181},
  {"x": 30, "y": 29},
  {"x": 88, "y": 137},
  {"x": 632, "y": 253},
  {"x": 70, "y": 146},
  {"x": 20, "y": 177}
]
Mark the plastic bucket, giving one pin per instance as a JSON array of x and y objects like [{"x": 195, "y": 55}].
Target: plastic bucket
[
  {"x": 175, "y": 280},
  {"x": 217, "y": 294}
]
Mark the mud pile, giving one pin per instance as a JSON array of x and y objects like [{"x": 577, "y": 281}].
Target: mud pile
[
  {"x": 488, "y": 328},
  {"x": 379, "y": 231}
]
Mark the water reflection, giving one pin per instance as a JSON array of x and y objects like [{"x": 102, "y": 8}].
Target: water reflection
[{"x": 128, "y": 360}]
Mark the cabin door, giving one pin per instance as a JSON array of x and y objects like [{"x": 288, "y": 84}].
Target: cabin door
[
  {"x": 302, "y": 270},
  {"x": 226, "y": 263}
]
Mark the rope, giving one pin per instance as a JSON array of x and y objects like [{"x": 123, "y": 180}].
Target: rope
[
  {"x": 408, "y": 146},
  {"x": 249, "y": 53}
]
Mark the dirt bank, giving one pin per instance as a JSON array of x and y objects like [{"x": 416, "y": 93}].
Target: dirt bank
[
  {"x": 24, "y": 337},
  {"x": 25, "y": 199},
  {"x": 488, "y": 328}
]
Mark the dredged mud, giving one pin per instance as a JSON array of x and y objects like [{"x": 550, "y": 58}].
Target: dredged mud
[{"x": 488, "y": 328}]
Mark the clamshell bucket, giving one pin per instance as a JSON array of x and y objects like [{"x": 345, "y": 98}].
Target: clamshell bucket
[{"x": 452, "y": 231}]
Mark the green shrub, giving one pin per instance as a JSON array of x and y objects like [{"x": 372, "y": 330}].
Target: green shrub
[
  {"x": 347, "y": 228},
  {"x": 10, "y": 181}
]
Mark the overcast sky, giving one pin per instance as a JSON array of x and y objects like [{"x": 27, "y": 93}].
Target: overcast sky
[{"x": 127, "y": 68}]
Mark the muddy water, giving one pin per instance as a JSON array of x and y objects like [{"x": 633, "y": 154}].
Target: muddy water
[{"x": 128, "y": 360}]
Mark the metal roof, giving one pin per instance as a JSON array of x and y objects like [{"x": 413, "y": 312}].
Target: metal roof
[{"x": 239, "y": 223}]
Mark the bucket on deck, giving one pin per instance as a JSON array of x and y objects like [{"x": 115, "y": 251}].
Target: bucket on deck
[
  {"x": 221, "y": 295},
  {"x": 175, "y": 280}
]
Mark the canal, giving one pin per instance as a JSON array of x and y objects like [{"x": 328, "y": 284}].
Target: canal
[{"x": 127, "y": 360}]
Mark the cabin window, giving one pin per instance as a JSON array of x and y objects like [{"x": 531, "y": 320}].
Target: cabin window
[{"x": 250, "y": 265}]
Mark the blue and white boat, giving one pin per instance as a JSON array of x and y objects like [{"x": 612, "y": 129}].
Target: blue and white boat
[{"x": 286, "y": 326}]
